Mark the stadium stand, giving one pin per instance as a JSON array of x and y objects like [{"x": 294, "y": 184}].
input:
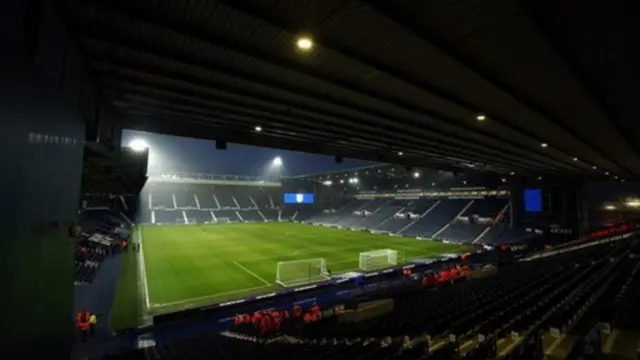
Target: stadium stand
[
  {"x": 437, "y": 218},
  {"x": 474, "y": 220},
  {"x": 407, "y": 216},
  {"x": 515, "y": 310}
]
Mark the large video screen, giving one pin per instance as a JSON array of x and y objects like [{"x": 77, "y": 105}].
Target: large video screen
[
  {"x": 298, "y": 198},
  {"x": 532, "y": 200}
]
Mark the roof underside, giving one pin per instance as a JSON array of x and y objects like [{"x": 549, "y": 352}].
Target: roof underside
[{"x": 383, "y": 77}]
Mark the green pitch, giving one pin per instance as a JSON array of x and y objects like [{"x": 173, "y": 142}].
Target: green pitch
[{"x": 187, "y": 266}]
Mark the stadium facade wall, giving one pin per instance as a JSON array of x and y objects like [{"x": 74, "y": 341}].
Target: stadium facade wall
[{"x": 42, "y": 133}]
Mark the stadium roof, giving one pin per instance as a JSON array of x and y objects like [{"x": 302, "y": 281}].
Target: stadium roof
[{"x": 554, "y": 82}]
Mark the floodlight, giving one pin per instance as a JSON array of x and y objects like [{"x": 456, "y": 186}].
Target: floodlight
[
  {"x": 304, "y": 43},
  {"x": 138, "y": 145},
  {"x": 277, "y": 161}
]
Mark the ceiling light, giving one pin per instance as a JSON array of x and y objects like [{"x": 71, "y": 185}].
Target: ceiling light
[
  {"x": 504, "y": 180},
  {"x": 606, "y": 173},
  {"x": 594, "y": 167},
  {"x": 609, "y": 207},
  {"x": 544, "y": 145},
  {"x": 258, "y": 128},
  {"x": 539, "y": 177},
  {"x": 481, "y": 117},
  {"x": 512, "y": 173},
  {"x": 304, "y": 43},
  {"x": 575, "y": 159},
  {"x": 416, "y": 174},
  {"x": 399, "y": 153},
  {"x": 615, "y": 177}
]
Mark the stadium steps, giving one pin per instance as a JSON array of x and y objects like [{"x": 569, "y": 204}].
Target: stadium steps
[
  {"x": 444, "y": 228},
  {"x": 485, "y": 231},
  {"x": 421, "y": 216},
  {"x": 389, "y": 218}
]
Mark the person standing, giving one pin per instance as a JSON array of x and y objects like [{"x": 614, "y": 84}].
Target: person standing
[{"x": 93, "y": 321}]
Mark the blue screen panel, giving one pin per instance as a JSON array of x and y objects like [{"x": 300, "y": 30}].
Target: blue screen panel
[
  {"x": 533, "y": 200},
  {"x": 298, "y": 198}
]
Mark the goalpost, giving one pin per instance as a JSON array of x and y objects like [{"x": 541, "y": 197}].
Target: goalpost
[
  {"x": 377, "y": 259},
  {"x": 300, "y": 272}
]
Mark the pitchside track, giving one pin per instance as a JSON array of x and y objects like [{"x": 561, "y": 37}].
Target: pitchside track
[{"x": 188, "y": 266}]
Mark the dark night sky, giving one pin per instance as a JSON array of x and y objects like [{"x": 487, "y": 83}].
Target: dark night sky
[{"x": 176, "y": 154}]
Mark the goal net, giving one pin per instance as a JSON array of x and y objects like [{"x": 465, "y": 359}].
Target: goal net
[
  {"x": 300, "y": 272},
  {"x": 377, "y": 259}
]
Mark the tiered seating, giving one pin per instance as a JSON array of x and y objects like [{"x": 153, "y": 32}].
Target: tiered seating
[
  {"x": 251, "y": 215},
  {"x": 330, "y": 216},
  {"x": 225, "y": 198},
  {"x": 243, "y": 200},
  {"x": 185, "y": 198},
  {"x": 162, "y": 199},
  {"x": 514, "y": 307},
  {"x": 473, "y": 221},
  {"x": 198, "y": 216},
  {"x": 261, "y": 198},
  {"x": 205, "y": 197},
  {"x": 226, "y": 215},
  {"x": 437, "y": 218},
  {"x": 354, "y": 218},
  {"x": 414, "y": 208},
  {"x": 271, "y": 214},
  {"x": 504, "y": 234},
  {"x": 387, "y": 211},
  {"x": 88, "y": 258},
  {"x": 169, "y": 216}
]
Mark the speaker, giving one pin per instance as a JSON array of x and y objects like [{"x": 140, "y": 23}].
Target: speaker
[{"x": 221, "y": 145}]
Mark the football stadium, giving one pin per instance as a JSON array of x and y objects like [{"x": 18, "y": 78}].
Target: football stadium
[{"x": 321, "y": 179}]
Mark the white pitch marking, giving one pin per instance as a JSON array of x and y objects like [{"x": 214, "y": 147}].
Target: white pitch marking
[
  {"x": 212, "y": 296},
  {"x": 251, "y": 273},
  {"x": 142, "y": 269}
]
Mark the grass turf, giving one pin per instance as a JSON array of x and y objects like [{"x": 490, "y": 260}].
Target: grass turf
[{"x": 188, "y": 266}]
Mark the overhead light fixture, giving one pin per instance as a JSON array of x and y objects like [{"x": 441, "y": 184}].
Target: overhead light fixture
[
  {"x": 544, "y": 145},
  {"x": 512, "y": 173},
  {"x": 609, "y": 207},
  {"x": 539, "y": 177},
  {"x": 615, "y": 177},
  {"x": 575, "y": 159},
  {"x": 606, "y": 173},
  {"x": 594, "y": 167},
  {"x": 416, "y": 175},
  {"x": 258, "y": 128},
  {"x": 504, "y": 180},
  {"x": 399, "y": 153},
  {"x": 304, "y": 43},
  {"x": 481, "y": 117}
]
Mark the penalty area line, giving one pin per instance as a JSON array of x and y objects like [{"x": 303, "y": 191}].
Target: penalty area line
[
  {"x": 212, "y": 296},
  {"x": 251, "y": 273}
]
